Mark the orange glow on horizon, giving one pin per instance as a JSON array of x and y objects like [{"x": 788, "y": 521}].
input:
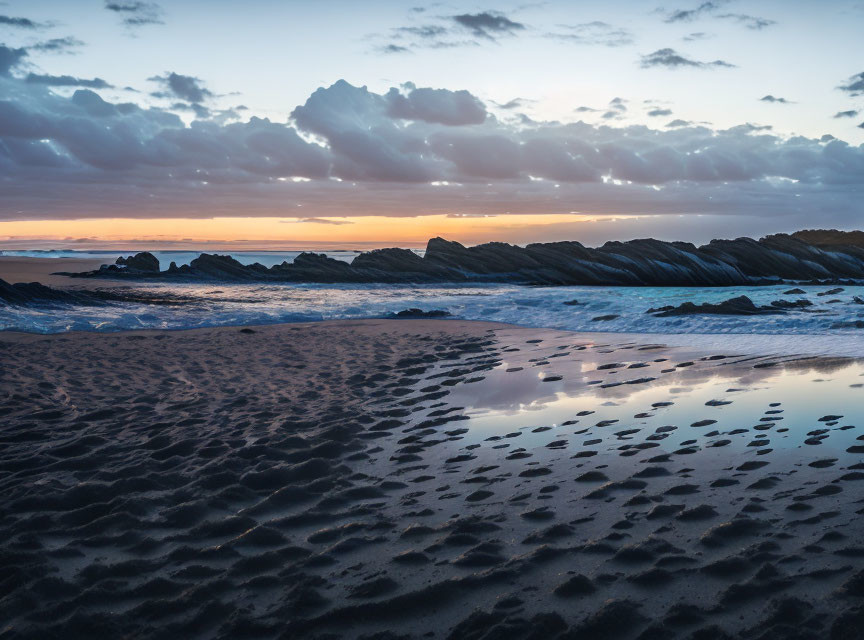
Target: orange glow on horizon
[{"x": 264, "y": 233}]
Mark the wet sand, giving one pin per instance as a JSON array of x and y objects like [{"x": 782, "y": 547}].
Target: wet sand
[{"x": 425, "y": 479}]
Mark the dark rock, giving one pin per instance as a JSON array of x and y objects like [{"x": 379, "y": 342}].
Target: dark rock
[
  {"x": 419, "y": 313},
  {"x": 144, "y": 262},
  {"x": 740, "y": 306},
  {"x": 791, "y": 304},
  {"x": 34, "y": 294},
  {"x": 645, "y": 262}
]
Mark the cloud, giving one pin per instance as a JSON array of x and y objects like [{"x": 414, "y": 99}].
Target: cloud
[
  {"x": 671, "y": 59},
  {"x": 846, "y": 114},
  {"x": 693, "y": 37},
  {"x": 515, "y": 103},
  {"x": 656, "y": 112},
  {"x": 440, "y": 106},
  {"x": 345, "y": 152},
  {"x": 10, "y": 58},
  {"x": 180, "y": 86},
  {"x": 678, "y": 123},
  {"x": 21, "y": 23},
  {"x": 199, "y": 110},
  {"x": 464, "y": 30},
  {"x": 394, "y": 48},
  {"x": 593, "y": 33},
  {"x": 710, "y": 8},
  {"x": 488, "y": 24},
  {"x": 67, "y": 81},
  {"x": 751, "y": 22},
  {"x": 57, "y": 45},
  {"x": 428, "y": 36},
  {"x": 136, "y": 13},
  {"x": 615, "y": 110},
  {"x": 317, "y": 221},
  {"x": 770, "y": 98},
  {"x": 854, "y": 85},
  {"x": 689, "y": 15},
  {"x": 429, "y": 31}
]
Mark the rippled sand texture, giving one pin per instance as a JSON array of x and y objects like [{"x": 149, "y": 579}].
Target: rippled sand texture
[{"x": 389, "y": 479}]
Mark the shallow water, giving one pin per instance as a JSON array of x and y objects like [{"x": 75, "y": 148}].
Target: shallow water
[{"x": 768, "y": 404}]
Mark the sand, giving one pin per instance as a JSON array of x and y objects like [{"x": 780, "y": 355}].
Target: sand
[{"x": 404, "y": 479}]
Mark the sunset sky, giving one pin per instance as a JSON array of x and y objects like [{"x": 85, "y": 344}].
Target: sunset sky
[{"x": 273, "y": 124}]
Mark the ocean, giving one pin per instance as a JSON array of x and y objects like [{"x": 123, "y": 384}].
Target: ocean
[{"x": 619, "y": 310}]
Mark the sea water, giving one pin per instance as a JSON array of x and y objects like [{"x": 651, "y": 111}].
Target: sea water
[{"x": 816, "y": 330}]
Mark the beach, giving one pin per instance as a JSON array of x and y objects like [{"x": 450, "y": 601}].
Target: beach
[{"x": 426, "y": 478}]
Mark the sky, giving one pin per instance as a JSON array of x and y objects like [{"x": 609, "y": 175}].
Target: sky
[{"x": 271, "y": 124}]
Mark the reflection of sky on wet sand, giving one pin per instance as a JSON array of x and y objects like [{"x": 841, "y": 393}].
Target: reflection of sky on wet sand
[{"x": 806, "y": 390}]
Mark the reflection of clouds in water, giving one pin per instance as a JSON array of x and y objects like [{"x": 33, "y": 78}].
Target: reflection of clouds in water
[{"x": 519, "y": 400}]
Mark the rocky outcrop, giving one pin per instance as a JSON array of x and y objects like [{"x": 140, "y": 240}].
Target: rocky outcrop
[
  {"x": 830, "y": 237},
  {"x": 144, "y": 262},
  {"x": 33, "y": 293},
  {"x": 414, "y": 314},
  {"x": 740, "y": 306},
  {"x": 646, "y": 262}
]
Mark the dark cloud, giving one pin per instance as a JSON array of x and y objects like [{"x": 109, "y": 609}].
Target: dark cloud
[
  {"x": 770, "y": 98},
  {"x": 136, "y": 13},
  {"x": 394, "y": 48},
  {"x": 616, "y": 109},
  {"x": 441, "y": 106},
  {"x": 674, "y": 124},
  {"x": 449, "y": 33},
  {"x": 10, "y": 58},
  {"x": 57, "y": 45},
  {"x": 657, "y": 112},
  {"x": 176, "y": 85},
  {"x": 593, "y": 33},
  {"x": 671, "y": 59},
  {"x": 488, "y": 24},
  {"x": 21, "y": 23},
  {"x": 348, "y": 150},
  {"x": 689, "y": 15},
  {"x": 751, "y": 22},
  {"x": 861, "y": 126},
  {"x": 199, "y": 110},
  {"x": 67, "y": 81},
  {"x": 854, "y": 86},
  {"x": 584, "y": 109},
  {"x": 693, "y": 37},
  {"x": 846, "y": 114}
]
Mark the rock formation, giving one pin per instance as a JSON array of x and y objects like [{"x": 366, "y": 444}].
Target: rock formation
[
  {"x": 646, "y": 262},
  {"x": 740, "y": 306}
]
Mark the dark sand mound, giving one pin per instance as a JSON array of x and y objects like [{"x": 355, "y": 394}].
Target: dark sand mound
[{"x": 324, "y": 481}]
